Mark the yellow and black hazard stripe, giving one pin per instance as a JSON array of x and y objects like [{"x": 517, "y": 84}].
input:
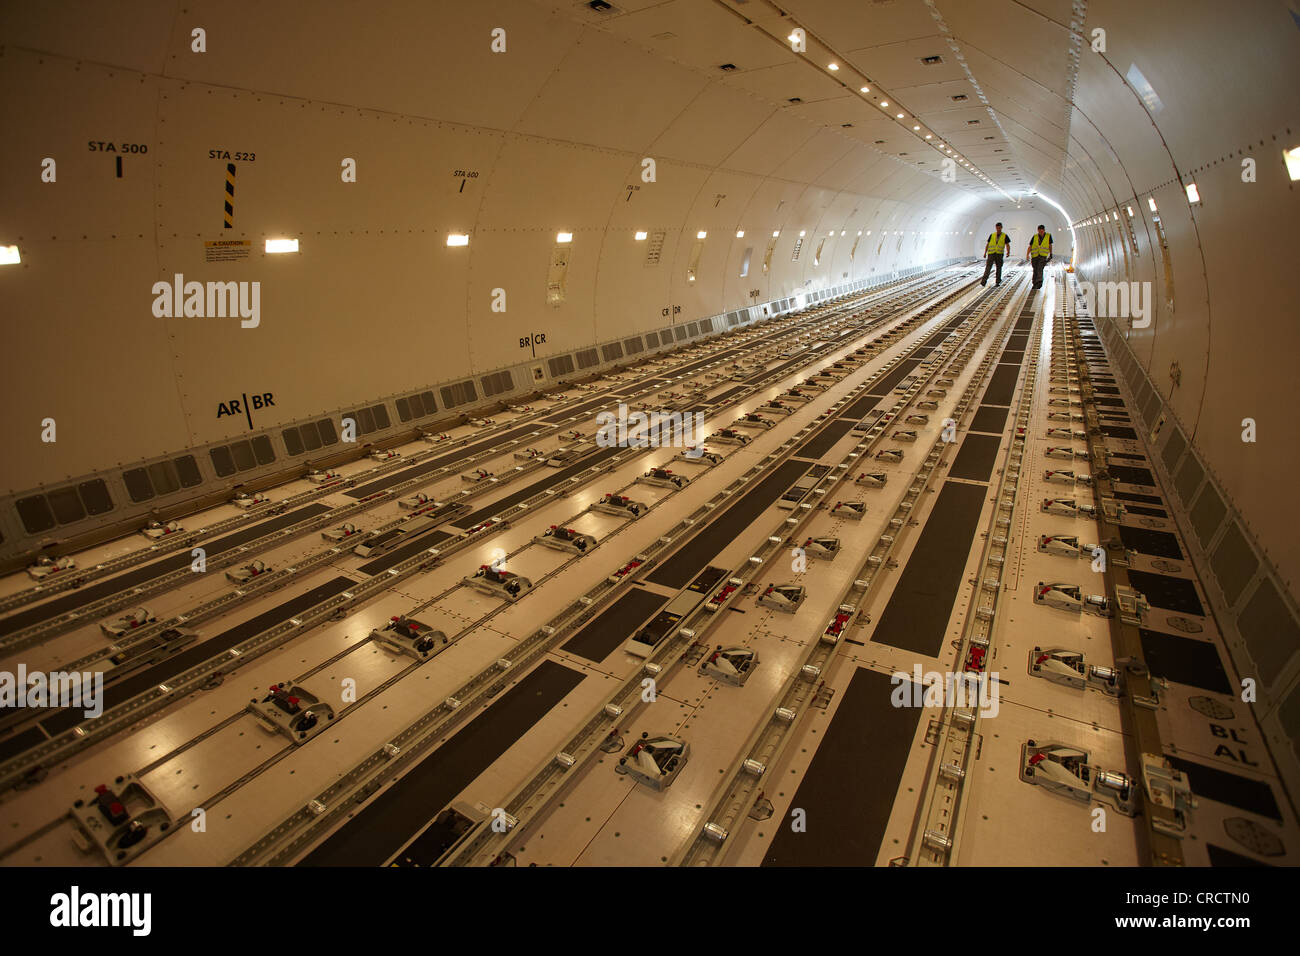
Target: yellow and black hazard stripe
[{"x": 230, "y": 195}]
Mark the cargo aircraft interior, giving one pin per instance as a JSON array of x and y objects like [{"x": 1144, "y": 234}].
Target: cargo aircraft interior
[{"x": 656, "y": 434}]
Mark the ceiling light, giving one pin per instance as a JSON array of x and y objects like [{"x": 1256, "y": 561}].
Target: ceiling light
[
  {"x": 564, "y": 237},
  {"x": 281, "y": 245},
  {"x": 457, "y": 239},
  {"x": 917, "y": 128},
  {"x": 640, "y": 237},
  {"x": 802, "y": 232},
  {"x": 701, "y": 234},
  {"x": 832, "y": 66},
  {"x": 9, "y": 256},
  {"x": 866, "y": 89},
  {"x": 776, "y": 233},
  {"x": 740, "y": 233},
  {"x": 1130, "y": 211},
  {"x": 884, "y": 104},
  {"x": 900, "y": 116},
  {"x": 1151, "y": 201},
  {"x": 1292, "y": 159},
  {"x": 1193, "y": 194}
]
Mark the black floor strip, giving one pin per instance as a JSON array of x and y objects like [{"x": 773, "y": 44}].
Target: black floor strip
[
  {"x": 380, "y": 830},
  {"x": 1221, "y": 857},
  {"x": 1170, "y": 593},
  {"x": 975, "y": 457},
  {"x": 680, "y": 568},
  {"x": 990, "y": 418},
  {"x": 723, "y": 396},
  {"x": 823, "y": 442},
  {"x": 1161, "y": 544},
  {"x": 590, "y": 405},
  {"x": 1135, "y": 496},
  {"x": 140, "y": 681},
  {"x": 20, "y": 742},
  {"x": 1002, "y": 385},
  {"x": 1254, "y": 796},
  {"x": 849, "y": 790},
  {"x": 896, "y": 375},
  {"x": 552, "y": 479},
  {"x": 917, "y": 614},
  {"x": 858, "y": 409},
  {"x": 1146, "y": 510},
  {"x": 611, "y": 628},
  {"x": 433, "y": 464},
  {"x": 1184, "y": 661},
  {"x": 137, "y": 576},
  {"x": 407, "y": 550},
  {"x": 1130, "y": 475}
]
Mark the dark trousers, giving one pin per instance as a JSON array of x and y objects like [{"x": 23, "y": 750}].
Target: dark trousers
[
  {"x": 1039, "y": 263},
  {"x": 993, "y": 258}
]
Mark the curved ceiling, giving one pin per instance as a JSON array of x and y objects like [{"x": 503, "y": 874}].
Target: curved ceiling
[{"x": 543, "y": 128}]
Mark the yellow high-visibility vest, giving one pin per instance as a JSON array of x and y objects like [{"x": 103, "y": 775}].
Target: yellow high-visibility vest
[
  {"x": 1040, "y": 247},
  {"x": 997, "y": 243}
]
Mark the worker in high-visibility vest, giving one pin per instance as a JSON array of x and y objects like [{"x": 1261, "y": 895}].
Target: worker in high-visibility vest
[
  {"x": 1038, "y": 253},
  {"x": 994, "y": 250}
]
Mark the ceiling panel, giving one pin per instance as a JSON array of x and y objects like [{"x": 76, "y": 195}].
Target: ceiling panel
[
  {"x": 702, "y": 35},
  {"x": 896, "y": 65},
  {"x": 861, "y": 23},
  {"x": 794, "y": 78}
]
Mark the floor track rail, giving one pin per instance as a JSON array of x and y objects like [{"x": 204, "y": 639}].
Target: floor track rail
[{"x": 530, "y": 801}]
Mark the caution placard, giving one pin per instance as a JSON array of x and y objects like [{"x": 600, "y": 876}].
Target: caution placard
[{"x": 227, "y": 250}]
